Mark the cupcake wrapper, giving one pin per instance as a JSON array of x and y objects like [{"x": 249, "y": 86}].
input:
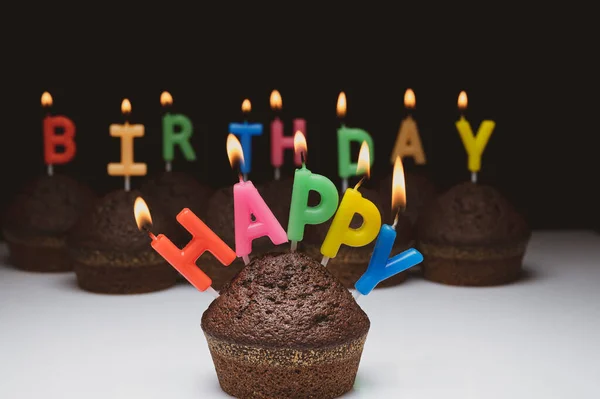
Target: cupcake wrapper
[{"x": 246, "y": 371}]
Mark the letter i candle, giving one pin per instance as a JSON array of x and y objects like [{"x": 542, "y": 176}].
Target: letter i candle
[
  {"x": 253, "y": 218},
  {"x": 380, "y": 267},
  {"x": 53, "y": 141},
  {"x": 184, "y": 260}
]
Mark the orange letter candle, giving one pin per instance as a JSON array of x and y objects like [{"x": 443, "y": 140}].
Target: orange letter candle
[
  {"x": 184, "y": 260},
  {"x": 53, "y": 141},
  {"x": 127, "y": 167}
]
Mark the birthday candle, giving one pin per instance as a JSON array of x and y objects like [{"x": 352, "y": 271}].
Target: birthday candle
[
  {"x": 408, "y": 141},
  {"x": 246, "y": 131},
  {"x": 177, "y": 131},
  {"x": 52, "y": 140}
]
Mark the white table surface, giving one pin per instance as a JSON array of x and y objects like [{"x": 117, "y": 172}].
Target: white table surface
[{"x": 537, "y": 338}]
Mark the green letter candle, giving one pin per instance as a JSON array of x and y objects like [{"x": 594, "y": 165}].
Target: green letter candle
[
  {"x": 345, "y": 136},
  {"x": 177, "y": 131},
  {"x": 304, "y": 181}
]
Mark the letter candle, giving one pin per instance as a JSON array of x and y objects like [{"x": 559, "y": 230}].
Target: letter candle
[
  {"x": 353, "y": 202},
  {"x": 253, "y": 218},
  {"x": 474, "y": 145},
  {"x": 52, "y": 140},
  {"x": 177, "y": 130},
  {"x": 380, "y": 267},
  {"x": 408, "y": 141},
  {"x": 279, "y": 142},
  {"x": 345, "y": 136},
  {"x": 184, "y": 260},
  {"x": 127, "y": 167},
  {"x": 245, "y": 131},
  {"x": 304, "y": 181}
]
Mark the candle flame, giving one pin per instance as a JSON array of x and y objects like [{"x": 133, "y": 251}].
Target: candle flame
[
  {"x": 398, "y": 186},
  {"x": 46, "y": 99},
  {"x": 234, "y": 151},
  {"x": 341, "y": 105},
  {"x": 125, "y": 106},
  {"x": 462, "y": 100},
  {"x": 141, "y": 213},
  {"x": 364, "y": 160},
  {"x": 246, "y": 106},
  {"x": 166, "y": 98},
  {"x": 275, "y": 100},
  {"x": 409, "y": 98},
  {"x": 300, "y": 144}
]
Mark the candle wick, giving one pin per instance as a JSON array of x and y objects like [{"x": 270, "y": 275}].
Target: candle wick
[
  {"x": 396, "y": 220},
  {"x": 302, "y": 158},
  {"x": 360, "y": 182},
  {"x": 150, "y": 234}
]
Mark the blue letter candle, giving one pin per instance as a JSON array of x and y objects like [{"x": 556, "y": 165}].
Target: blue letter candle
[
  {"x": 245, "y": 131},
  {"x": 380, "y": 267}
]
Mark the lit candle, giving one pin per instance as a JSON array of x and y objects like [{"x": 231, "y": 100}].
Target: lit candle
[
  {"x": 253, "y": 218},
  {"x": 408, "y": 141},
  {"x": 353, "y": 203},
  {"x": 184, "y": 260},
  {"x": 345, "y": 136},
  {"x": 245, "y": 131},
  {"x": 177, "y": 130},
  {"x": 474, "y": 144},
  {"x": 381, "y": 266},
  {"x": 127, "y": 132},
  {"x": 279, "y": 142},
  {"x": 54, "y": 141},
  {"x": 304, "y": 181}
]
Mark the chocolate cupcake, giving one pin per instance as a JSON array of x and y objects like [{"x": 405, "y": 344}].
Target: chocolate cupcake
[
  {"x": 471, "y": 235},
  {"x": 39, "y": 219},
  {"x": 284, "y": 327},
  {"x": 174, "y": 191},
  {"x": 350, "y": 263},
  {"x": 112, "y": 256},
  {"x": 420, "y": 191}
]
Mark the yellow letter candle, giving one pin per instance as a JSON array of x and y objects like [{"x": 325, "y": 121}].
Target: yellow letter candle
[
  {"x": 474, "y": 144},
  {"x": 408, "y": 142},
  {"x": 127, "y": 132},
  {"x": 353, "y": 202}
]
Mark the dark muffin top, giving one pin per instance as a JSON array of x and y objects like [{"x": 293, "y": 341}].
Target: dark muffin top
[
  {"x": 278, "y": 196},
  {"x": 48, "y": 205},
  {"x": 111, "y": 226},
  {"x": 420, "y": 191},
  {"x": 471, "y": 214},
  {"x": 285, "y": 301},
  {"x": 315, "y": 233},
  {"x": 177, "y": 190}
]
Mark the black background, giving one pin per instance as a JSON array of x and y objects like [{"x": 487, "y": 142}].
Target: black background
[{"x": 541, "y": 155}]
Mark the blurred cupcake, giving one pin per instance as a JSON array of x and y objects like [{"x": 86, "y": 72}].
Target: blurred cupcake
[
  {"x": 471, "y": 235},
  {"x": 112, "y": 256},
  {"x": 39, "y": 219}
]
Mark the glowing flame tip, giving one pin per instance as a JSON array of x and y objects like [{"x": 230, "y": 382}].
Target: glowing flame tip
[
  {"x": 246, "y": 106},
  {"x": 364, "y": 160},
  {"x": 275, "y": 100},
  {"x": 166, "y": 98},
  {"x": 125, "y": 106},
  {"x": 300, "y": 143},
  {"x": 341, "y": 105},
  {"x": 141, "y": 213},
  {"x": 234, "y": 151},
  {"x": 398, "y": 186},
  {"x": 46, "y": 99},
  {"x": 462, "y": 100},
  {"x": 410, "y": 100}
]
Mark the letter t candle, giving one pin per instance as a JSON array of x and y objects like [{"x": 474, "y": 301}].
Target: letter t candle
[
  {"x": 380, "y": 267},
  {"x": 245, "y": 131},
  {"x": 184, "y": 260}
]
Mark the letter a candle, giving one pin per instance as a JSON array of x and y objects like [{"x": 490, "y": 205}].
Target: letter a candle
[
  {"x": 184, "y": 260},
  {"x": 304, "y": 181},
  {"x": 380, "y": 267},
  {"x": 408, "y": 141},
  {"x": 53, "y": 141},
  {"x": 127, "y": 167},
  {"x": 177, "y": 130},
  {"x": 474, "y": 145},
  {"x": 353, "y": 202},
  {"x": 253, "y": 218}
]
